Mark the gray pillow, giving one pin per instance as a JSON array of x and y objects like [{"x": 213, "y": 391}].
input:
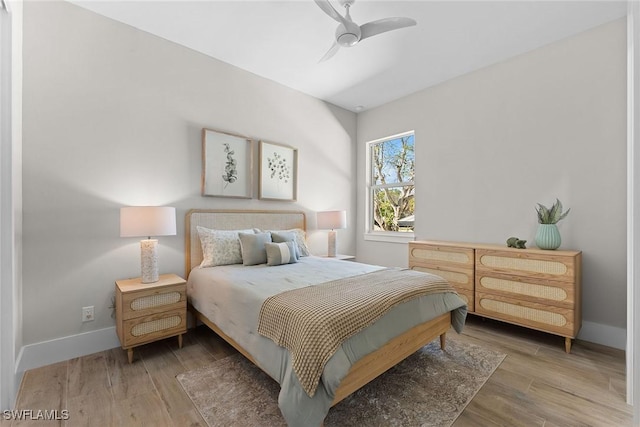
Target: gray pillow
[
  {"x": 253, "y": 250},
  {"x": 283, "y": 236},
  {"x": 286, "y": 236},
  {"x": 300, "y": 238},
  {"x": 281, "y": 253}
]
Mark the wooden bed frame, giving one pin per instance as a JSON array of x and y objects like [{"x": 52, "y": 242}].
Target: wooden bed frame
[{"x": 365, "y": 369}]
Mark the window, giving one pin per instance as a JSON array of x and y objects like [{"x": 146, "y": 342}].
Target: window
[{"x": 391, "y": 192}]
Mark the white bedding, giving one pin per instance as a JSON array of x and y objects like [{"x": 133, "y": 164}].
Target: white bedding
[{"x": 231, "y": 296}]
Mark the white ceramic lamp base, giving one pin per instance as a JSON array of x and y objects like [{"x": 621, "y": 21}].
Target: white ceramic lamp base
[
  {"x": 149, "y": 260},
  {"x": 333, "y": 243}
]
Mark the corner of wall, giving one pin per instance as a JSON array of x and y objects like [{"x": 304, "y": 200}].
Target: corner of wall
[{"x": 598, "y": 333}]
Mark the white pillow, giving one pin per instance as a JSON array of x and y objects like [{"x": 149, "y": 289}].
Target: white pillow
[{"x": 220, "y": 247}]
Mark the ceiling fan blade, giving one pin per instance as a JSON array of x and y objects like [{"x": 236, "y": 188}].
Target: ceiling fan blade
[
  {"x": 383, "y": 25},
  {"x": 329, "y": 10},
  {"x": 332, "y": 51}
]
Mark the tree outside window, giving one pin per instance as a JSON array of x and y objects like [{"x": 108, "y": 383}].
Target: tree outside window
[{"x": 392, "y": 191}]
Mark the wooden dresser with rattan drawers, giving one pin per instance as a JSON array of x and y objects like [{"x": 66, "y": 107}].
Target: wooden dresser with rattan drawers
[{"x": 538, "y": 289}]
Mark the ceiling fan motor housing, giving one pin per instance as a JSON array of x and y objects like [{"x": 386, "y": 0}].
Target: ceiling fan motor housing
[
  {"x": 349, "y": 35},
  {"x": 346, "y": 3}
]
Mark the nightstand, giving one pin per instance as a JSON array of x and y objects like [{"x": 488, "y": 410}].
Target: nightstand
[
  {"x": 342, "y": 257},
  {"x": 147, "y": 312}
]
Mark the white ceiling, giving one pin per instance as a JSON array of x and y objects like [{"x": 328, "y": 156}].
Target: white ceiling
[{"x": 283, "y": 40}]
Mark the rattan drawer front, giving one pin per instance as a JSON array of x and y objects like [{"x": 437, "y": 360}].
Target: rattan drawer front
[
  {"x": 458, "y": 278},
  {"x": 145, "y": 303},
  {"x": 155, "y": 300},
  {"x": 550, "y": 292},
  {"x": 553, "y": 266},
  {"x": 151, "y": 328},
  {"x": 546, "y": 318},
  {"x": 440, "y": 255}
]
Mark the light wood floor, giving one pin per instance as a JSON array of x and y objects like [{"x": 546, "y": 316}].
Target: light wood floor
[{"x": 537, "y": 384}]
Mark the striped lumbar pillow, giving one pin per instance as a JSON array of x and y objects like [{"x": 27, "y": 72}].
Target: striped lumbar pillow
[{"x": 281, "y": 253}]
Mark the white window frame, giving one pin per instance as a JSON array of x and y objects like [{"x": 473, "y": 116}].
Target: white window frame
[{"x": 369, "y": 233}]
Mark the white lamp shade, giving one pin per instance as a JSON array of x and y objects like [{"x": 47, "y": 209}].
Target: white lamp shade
[
  {"x": 332, "y": 220},
  {"x": 138, "y": 221}
]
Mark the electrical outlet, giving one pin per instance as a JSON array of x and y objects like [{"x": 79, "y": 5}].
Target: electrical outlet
[{"x": 87, "y": 314}]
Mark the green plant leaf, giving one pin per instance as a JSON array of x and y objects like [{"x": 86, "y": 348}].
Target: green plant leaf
[
  {"x": 543, "y": 214},
  {"x": 553, "y": 215},
  {"x": 555, "y": 212},
  {"x": 564, "y": 214}
]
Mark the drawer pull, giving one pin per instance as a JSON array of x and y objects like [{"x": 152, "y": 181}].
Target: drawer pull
[
  {"x": 532, "y": 265},
  {"x": 156, "y": 300},
  {"x": 532, "y": 314},
  {"x": 539, "y": 291},
  {"x": 155, "y": 326}
]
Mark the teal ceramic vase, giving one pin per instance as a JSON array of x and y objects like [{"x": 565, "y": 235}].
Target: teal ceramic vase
[{"x": 548, "y": 236}]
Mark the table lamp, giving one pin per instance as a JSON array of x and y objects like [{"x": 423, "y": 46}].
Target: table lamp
[
  {"x": 332, "y": 220},
  {"x": 138, "y": 221}
]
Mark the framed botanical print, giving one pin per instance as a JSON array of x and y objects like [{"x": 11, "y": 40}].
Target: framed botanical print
[
  {"x": 227, "y": 165},
  {"x": 278, "y": 172}
]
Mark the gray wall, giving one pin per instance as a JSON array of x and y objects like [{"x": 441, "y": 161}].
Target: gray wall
[
  {"x": 492, "y": 143},
  {"x": 112, "y": 117}
]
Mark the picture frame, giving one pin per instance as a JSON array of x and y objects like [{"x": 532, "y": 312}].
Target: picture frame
[
  {"x": 278, "y": 172},
  {"x": 227, "y": 165}
]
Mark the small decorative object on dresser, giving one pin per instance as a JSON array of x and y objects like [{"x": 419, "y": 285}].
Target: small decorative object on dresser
[
  {"x": 548, "y": 235},
  {"x": 528, "y": 287},
  {"x": 514, "y": 242},
  {"x": 150, "y": 312}
]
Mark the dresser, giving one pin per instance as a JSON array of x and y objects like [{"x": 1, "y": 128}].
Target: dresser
[{"x": 538, "y": 289}]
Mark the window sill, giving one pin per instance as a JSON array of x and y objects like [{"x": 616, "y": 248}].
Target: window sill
[{"x": 389, "y": 237}]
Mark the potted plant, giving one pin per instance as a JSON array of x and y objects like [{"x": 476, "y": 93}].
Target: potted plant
[{"x": 548, "y": 236}]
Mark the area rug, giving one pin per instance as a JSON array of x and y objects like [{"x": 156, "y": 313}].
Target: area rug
[{"x": 429, "y": 388}]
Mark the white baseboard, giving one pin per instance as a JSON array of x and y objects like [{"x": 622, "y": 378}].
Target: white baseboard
[
  {"x": 598, "y": 333},
  {"x": 65, "y": 348}
]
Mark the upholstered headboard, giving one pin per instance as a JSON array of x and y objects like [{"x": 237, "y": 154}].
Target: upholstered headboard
[{"x": 233, "y": 220}]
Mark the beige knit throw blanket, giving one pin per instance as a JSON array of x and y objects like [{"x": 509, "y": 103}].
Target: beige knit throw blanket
[{"x": 312, "y": 322}]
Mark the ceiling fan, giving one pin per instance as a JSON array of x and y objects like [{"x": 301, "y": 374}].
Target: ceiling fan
[{"x": 349, "y": 33}]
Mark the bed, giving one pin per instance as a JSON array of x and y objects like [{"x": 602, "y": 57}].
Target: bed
[{"x": 227, "y": 298}]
